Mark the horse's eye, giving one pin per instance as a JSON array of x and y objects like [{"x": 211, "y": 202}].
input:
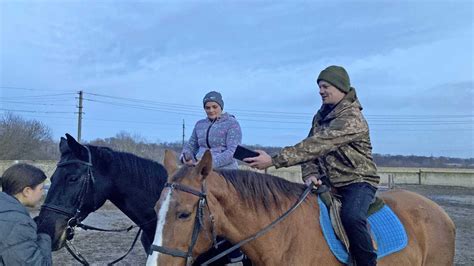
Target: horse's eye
[
  {"x": 73, "y": 178},
  {"x": 183, "y": 215}
]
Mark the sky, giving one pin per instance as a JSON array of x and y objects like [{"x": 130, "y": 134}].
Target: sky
[{"x": 145, "y": 66}]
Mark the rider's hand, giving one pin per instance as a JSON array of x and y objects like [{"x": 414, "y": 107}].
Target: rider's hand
[
  {"x": 261, "y": 162},
  {"x": 314, "y": 180}
]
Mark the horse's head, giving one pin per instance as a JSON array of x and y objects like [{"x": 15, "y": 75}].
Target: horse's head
[
  {"x": 184, "y": 227},
  {"x": 78, "y": 188}
]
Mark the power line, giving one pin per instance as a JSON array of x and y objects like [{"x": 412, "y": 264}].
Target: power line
[
  {"x": 30, "y": 111},
  {"x": 28, "y": 89},
  {"x": 130, "y": 121},
  {"x": 35, "y": 103},
  {"x": 142, "y": 107},
  {"x": 187, "y": 109},
  {"x": 37, "y": 96},
  {"x": 184, "y": 112},
  {"x": 48, "y": 116},
  {"x": 261, "y": 111}
]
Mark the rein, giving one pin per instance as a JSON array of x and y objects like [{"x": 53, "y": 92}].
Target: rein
[
  {"x": 76, "y": 219},
  {"x": 198, "y": 225}
]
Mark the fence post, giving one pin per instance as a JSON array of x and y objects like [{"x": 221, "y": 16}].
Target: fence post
[{"x": 391, "y": 181}]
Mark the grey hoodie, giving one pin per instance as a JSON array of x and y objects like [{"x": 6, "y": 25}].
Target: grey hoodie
[{"x": 19, "y": 242}]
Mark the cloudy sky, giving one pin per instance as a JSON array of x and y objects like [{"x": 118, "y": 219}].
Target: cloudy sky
[{"x": 145, "y": 66}]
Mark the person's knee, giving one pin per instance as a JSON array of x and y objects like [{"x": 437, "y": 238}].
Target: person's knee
[{"x": 352, "y": 219}]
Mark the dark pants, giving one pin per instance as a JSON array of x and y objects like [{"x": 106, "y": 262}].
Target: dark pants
[{"x": 356, "y": 199}]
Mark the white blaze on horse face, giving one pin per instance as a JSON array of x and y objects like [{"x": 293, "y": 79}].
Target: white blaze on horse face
[{"x": 158, "y": 241}]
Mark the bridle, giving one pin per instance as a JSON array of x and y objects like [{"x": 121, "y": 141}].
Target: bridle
[{"x": 198, "y": 223}]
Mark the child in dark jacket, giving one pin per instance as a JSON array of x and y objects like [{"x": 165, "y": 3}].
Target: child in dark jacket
[{"x": 20, "y": 244}]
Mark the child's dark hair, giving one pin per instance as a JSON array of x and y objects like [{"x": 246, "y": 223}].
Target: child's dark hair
[{"x": 19, "y": 176}]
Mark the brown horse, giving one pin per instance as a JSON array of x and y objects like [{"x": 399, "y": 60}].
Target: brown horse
[{"x": 240, "y": 203}]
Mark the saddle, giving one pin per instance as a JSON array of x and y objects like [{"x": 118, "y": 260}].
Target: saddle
[{"x": 333, "y": 203}]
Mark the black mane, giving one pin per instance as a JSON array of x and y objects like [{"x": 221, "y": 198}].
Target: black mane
[{"x": 151, "y": 175}]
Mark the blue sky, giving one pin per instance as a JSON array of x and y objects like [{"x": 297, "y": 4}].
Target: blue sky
[{"x": 145, "y": 66}]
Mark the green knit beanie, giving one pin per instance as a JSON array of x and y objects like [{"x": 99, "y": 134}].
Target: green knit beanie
[{"x": 337, "y": 76}]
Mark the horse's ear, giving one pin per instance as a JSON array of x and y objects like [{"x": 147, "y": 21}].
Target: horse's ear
[
  {"x": 170, "y": 162},
  {"x": 204, "y": 166},
  {"x": 78, "y": 150},
  {"x": 63, "y": 147}
]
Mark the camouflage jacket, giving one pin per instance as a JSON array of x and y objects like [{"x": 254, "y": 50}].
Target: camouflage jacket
[{"x": 338, "y": 146}]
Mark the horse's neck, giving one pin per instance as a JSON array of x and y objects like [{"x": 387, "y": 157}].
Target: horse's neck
[
  {"x": 137, "y": 206},
  {"x": 133, "y": 200},
  {"x": 238, "y": 221}
]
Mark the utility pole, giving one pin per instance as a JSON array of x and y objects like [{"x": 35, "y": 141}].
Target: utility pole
[
  {"x": 182, "y": 143},
  {"x": 79, "y": 118}
]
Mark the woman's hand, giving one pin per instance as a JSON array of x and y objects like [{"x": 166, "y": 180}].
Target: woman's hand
[
  {"x": 185, "y": 160},
  {"x": 262, "y": 161}
]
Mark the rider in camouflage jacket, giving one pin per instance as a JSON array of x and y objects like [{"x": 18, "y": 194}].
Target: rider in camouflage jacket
[
  {"x": 338, "y": 146},
  {"x": 337, "y": 150}
]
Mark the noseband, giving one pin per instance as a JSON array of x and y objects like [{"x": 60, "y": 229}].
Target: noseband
[{"x": 198, "y": 223}]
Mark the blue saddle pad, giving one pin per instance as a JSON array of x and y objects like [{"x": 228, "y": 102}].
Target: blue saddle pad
[{"x": 386, "y": 229}]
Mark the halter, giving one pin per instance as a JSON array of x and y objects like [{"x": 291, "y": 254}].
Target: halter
[{"x": 198, "y": 223}]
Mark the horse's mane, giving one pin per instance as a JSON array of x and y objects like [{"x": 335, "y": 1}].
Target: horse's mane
[
  {"x": 259, "y": 189},
  {"x": 149, "y": 174}
]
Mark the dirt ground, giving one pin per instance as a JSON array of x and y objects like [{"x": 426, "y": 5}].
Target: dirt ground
[{"x": 100, "y": 248}]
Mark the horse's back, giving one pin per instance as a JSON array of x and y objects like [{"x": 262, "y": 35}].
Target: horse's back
[{"x": 431, "y": 232}]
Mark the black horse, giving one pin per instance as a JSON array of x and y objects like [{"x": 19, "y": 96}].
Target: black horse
[{"x": 87, "y": 176}]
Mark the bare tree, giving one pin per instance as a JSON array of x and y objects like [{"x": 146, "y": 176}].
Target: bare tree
[
  {"x": 135, "y": 144},
  {"x": 22, "y": 139}
]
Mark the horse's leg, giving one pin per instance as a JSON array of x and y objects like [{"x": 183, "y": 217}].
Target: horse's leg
[{"x": 431, "y": 233}]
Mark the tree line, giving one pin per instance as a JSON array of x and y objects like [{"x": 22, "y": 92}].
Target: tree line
[{"x": 24, "y": 139}]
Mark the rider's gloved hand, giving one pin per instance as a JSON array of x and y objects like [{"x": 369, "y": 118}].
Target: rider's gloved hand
[{"x": 313, "y": 180}]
